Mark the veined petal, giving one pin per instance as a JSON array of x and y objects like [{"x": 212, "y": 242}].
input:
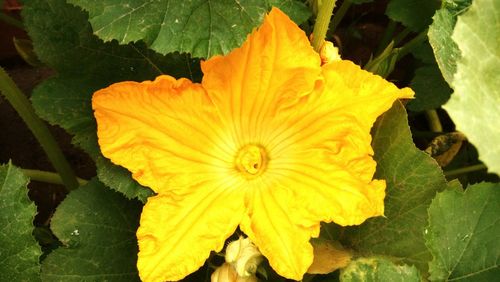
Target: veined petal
[
  {"x": 166, "y": 132},
  {"x": 271, "y": 228},
  {"x": 178, "y": 232},
  {"x": 328, "y": 192},
  {"x": 273, "y": 68},
  {"x": 349, "y": 89}
]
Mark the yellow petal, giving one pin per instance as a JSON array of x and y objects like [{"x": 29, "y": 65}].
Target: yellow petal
[
  {"x": 178, "y": 232},
  {"x": 166, "y": 132},
  {"x": 274, "y": 67},
  {"x": 269, "y": 225},
  {"x": 349, "y": 89}
]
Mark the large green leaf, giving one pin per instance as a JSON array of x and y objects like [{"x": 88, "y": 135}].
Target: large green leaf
[
  {"x": 63, "y": 39},
  {"x": 475, "y": 105},
  {"x": 431, "y": 91},
  {"x": 19, "y": 251},
  {"x": 464, "y": 234},
  {"x": 413, "y": 178},
  {"x": 202, "y": 28},
  {"x": 97, "y": 229},
  {"x": 378, "y": 269},
  {"x": 414, "y": 14},
  {"x": 445, "y": 49}
]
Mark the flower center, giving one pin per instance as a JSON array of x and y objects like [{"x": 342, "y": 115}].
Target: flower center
[{"x": 251, "y": 160}]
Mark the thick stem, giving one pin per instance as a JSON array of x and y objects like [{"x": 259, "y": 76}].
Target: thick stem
[
  {"x": 433, "y": 121},
  {"x": 322, "y": 23},
  {"x": 339, "y": 15},
  {"x": 48, "y": 177},
  {"x": 463, "y": 170},
  {"x": 24, "y": 108}
]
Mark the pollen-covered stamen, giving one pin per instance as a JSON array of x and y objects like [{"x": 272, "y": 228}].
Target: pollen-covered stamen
[{"x": 251, "y": 160}]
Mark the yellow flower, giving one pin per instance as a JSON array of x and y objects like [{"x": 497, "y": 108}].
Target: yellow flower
[{"x": 270, "y": 141}]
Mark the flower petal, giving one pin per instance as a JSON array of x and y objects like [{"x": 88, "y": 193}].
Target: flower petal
[
  {"x": 166, "y": 132},
  {"x": 271, "y": 228},
  {"x": 349, "y": 89},
  {"x": 273, "y": 68},
  {"x": 178, "y": 232}
]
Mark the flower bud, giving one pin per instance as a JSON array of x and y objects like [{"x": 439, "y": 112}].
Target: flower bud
[
  {"x": 329, "y": 53},
  {"x": 227, "y": 273},
  {"x": 244, "y": 256}
]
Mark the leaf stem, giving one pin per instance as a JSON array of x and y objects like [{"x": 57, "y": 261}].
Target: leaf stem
[
  {"x": 48, "y": 177},
  {"x": 11, "y": 20},
  {"x": 24, "y": 108},
  {"x": 386, "y": 38},
  {"x": 339, "y": 15},
  {"x": 402, "y": 35},
  {"x": 433, "y": 121},
  {"x": 322, "y": 23},
  {"x": 405, "y": 49},
  {"x": 464, "y": 170}
]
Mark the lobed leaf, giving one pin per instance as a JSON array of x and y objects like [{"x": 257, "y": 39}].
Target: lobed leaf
[
  {"x": 97, "y": 229},
  {"x": 63, "y": 39},
  {"x": 464, "y": 235},
  {"x": 202, "y": 28},
  {"x": 378, "y": 269},
  {"x": 414, "y": 14},
  {"x": 445, "y": 49},
  {"x": 475, "y": 105},
  {"x": 413, "y": 178},
  {"x": 19, "y": 251}
]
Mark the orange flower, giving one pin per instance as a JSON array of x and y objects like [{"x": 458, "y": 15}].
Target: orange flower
[{"x": 270, "y": 141}]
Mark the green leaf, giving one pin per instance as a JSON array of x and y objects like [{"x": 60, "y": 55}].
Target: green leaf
[
  {"x": 474, "y": 106},
  {"x": 63, "y": 39},
  {"x": 202, "y": 28},
  {"x": 19, "y": 251},
  {"x": 413, "y": 178},
  {"x": 431, "y": 91},
  {"x": 97, "y": 229},
  {"x": 445, "y": 49},
  {"x": 414, "y": 14},
  {"x": 463, "y": 234},
  {"x": 378, "y": 269},
  {"x": 119, "y": 179}
]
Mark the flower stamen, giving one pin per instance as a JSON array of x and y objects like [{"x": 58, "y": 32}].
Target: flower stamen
[{"x": 251, "y": 160}]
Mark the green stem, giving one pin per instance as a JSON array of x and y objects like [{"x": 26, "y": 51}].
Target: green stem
[
  {"x": 24, "y": 108},
  {"x": 387, "y": 37},
  {"x": 405, "y": 49},
  {"x": 48, "y": 177},
  {"x": 322, "y": 23},
  {"x": 433, "y": 120},
  {"x": 10, "y": 20},
  {"x": 339, "y": 15},
  {"x": 402, "y": 35},
  {"x": 464, "y": 170}
]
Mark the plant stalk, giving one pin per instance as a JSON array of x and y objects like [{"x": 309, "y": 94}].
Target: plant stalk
[
  {"x": 464, "y": 170},
  {"x": 48, "y": 177},
  {"x": 386, "y": 38},
  {"x": 340, "y": 13},
  {"x": 433, "y": 121},
  {"x": 322, "y": 23},
  {"x": 408, "y": 47},
  {"x": 24, "y": 108}
]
